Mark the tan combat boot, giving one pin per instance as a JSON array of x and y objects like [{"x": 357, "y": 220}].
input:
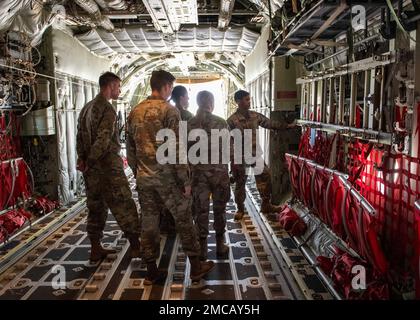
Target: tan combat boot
[
  {"x": 239, "y": 213},
  {"x": 199, "y": 268},
  {"x": 97, "y": 252},
  {"x": 154, "y": 274},
  {"x": 221, "y": 248}
]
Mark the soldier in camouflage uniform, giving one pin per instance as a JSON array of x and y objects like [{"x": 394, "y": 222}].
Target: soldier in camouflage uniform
[
  {"x": 159, "y": 183},
  {"x": 98, "y": 149},
  {"x": 210, "y": 179},
  {"x": 242, "y": 119},
  {"x": 180, "y": 98}
]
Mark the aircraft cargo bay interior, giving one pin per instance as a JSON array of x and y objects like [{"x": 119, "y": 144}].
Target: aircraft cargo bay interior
[{"x": 209, "y": 150}]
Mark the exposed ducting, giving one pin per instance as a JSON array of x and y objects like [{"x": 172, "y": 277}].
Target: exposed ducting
[
  {"x": 263, "y": 4},
  {"x": 169, "y": 15},
  {"x": 91, "y": 7},
  {"x": 226, "y": 8},
  {"x": 113, "y": 4},
  {"x": 29, "y": 17},
  {"x": 102, "y": 4},
  {"x": 140, "y": 40}
]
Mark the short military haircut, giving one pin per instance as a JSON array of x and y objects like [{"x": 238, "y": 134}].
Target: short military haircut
[
  {"x": 239, "y": 95},
  {"x": 161, "y": 78},
  {"x": 107, "y": 78},
  {"x": 203, "y": 98},
  {"x": 178, "y": 92}
]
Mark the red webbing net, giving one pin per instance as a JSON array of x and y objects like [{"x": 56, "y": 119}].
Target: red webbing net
[
  {"x": 328, "y": 197},
  {"x": 14, "y": 182},
  {"x": 9, "y": 137},
  {"x": 390, "y": 182}
]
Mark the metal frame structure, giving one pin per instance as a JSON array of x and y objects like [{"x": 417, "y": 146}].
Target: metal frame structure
[{"x": 311, "y": 104}]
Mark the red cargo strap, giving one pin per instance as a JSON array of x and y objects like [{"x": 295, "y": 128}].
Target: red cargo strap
[
  {"x": 42, "y": 205},
  {"x": 358, "y": 116},
  {"x": 363, "y": 160},
  {"x": 331, "y": 199},
  {"x": 291, "y": 222},
  {"x": 294, "y": 171},
  {"x": 15, "y": 182},
  {"x": 340, "y": 269},
  {"x": 11, "y": 221},
  {"x": 9, "y": 137},
  {"x": 320, "y": 182},
  {"x": 305, "y": 177}
]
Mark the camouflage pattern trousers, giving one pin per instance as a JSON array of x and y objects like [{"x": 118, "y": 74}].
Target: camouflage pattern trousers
[
  {"x": 107, "y": 188},
  {"x": 151, "y": 198},
  {"x": 216, "y": 184},
  {"x": 263, "y": 182}
]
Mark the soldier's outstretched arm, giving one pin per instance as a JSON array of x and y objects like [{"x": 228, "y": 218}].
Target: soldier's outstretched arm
[
  {"x": 271, "y": 124},
  {"x": 103, "y": 138}
]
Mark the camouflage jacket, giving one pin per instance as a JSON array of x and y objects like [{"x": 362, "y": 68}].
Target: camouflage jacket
[
  {"x": 97, "y": 131},
  {"x": 143, "y": 125},
  {"x": 207, "y": 121},
  {"x": 185, "y": 114},
  {"x": 248, "y": 119}
]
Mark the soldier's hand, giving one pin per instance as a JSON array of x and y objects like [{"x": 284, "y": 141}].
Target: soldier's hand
[{"x": 187, "y": 191}]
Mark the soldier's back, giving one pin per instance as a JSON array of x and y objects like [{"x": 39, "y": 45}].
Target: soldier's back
[
  {"x": 144, "y": 123},
  {"x": 90, "y": 126},
  {"x": 207, "y": 121}
]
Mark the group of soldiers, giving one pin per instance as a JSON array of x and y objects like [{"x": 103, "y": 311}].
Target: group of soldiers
[{"x": 183, "y": 190}]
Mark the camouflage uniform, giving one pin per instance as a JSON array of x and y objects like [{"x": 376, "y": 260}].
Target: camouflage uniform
[
  {"x": 167, "y": 223},
  {"x": 247, "y": 119},
  {"x": 159, "y": 184},
  {"x": 106, "y": 183},
  {"x": 210, "y": 179},
  {"x": 185, "y": 114}
]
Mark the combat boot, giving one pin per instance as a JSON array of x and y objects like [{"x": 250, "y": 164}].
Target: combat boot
[
  {"x": 221, "y": 248},
  {"x": 199, "y": 268},
  {"x": 135, "y": 248},
  {"x": 154, "y": 274},
  {"x": 239, "y": 215},
  {"x": 267, "y": 207},
  {"x": 97, "y": 252},
  {"x": 203, "y": 249}
]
